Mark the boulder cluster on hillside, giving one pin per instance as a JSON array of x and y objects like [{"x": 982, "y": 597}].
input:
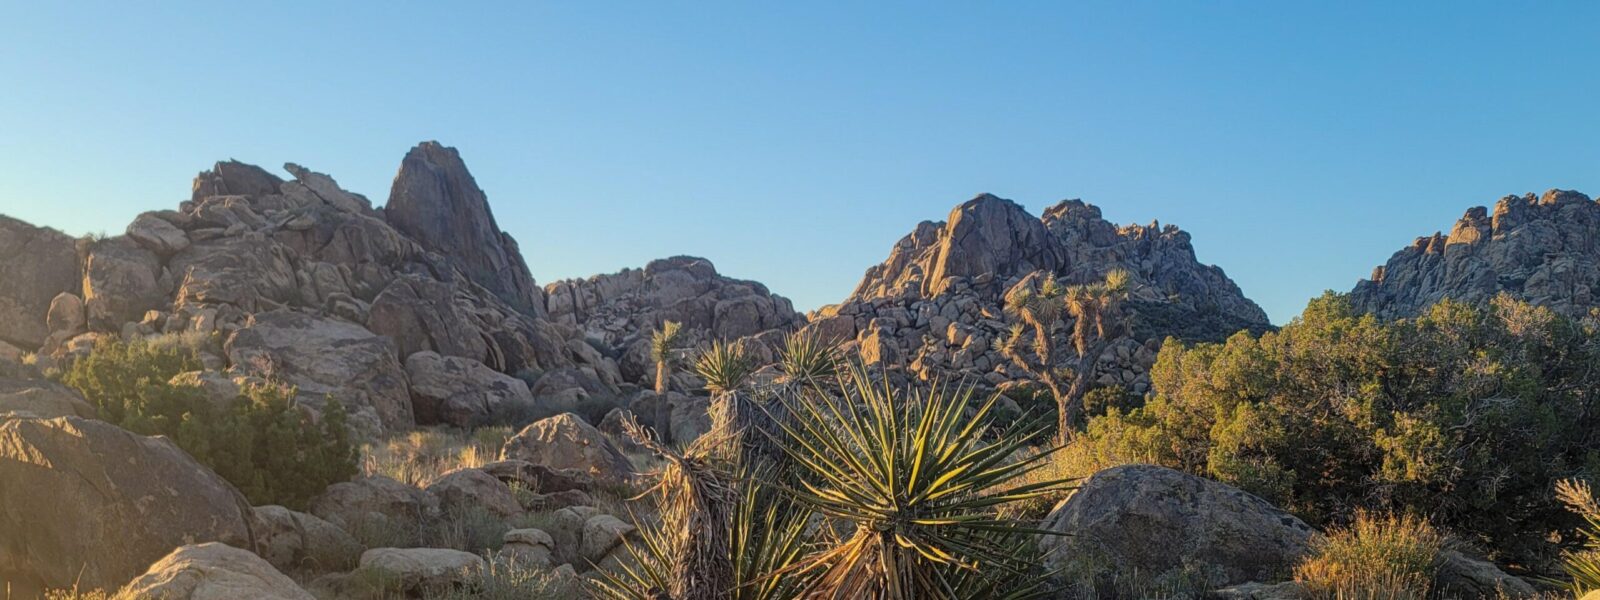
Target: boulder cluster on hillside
[
  {"x": 935, "y": 307},
  {"x": 1541, "y": 249}
]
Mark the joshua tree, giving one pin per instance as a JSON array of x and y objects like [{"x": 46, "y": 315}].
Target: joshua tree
[
  {"x": 1097, "y": 318},
  {"x": 664, "y": 349}
]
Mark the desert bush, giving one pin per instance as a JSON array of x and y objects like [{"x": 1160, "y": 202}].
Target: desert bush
[
  {"x": 469, "y": 529},
  {"x": 505, "y": 579},
  {"x": 1465, "y": 414},
  {"x": 262, "y": 442},
  {"x": 1375, "y": 558}
]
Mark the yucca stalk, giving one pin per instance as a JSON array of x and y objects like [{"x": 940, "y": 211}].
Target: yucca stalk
[
  {"x": 664, "y": 349},
  {"x": 911, "y": 471}
]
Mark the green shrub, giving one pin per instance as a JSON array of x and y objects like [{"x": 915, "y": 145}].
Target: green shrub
[
  {"x": 1464, "y": 414},
  {"x": 262, "y": 442}
]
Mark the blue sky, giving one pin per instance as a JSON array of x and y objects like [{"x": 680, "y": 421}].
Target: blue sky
[{"x": 1300, "y": 143}]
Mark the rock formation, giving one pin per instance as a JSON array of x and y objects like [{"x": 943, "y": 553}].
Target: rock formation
[
  {"x": 934, "y": 307},
  {"x": 1545, "y": 250},
  {"x": 620, "y": 311},
  {"x": 437, "y": 202},
  {"x": 36, "y": 264},
  {"x": 300, "y": 280}
]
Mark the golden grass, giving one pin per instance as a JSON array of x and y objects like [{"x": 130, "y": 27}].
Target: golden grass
[
  {"x": 1079, "y": 459},
  {"x": 420, "y": 457},
  {"x": 1376, "y": 558}
]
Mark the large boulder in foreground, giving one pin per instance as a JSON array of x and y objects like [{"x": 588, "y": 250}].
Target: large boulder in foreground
[
  {"x": 566, "y": 441},
  {"x": 86, "y": 502},
  {"x": 212, "y": 571},
  {"x": 36, "y": 264},
  {"x": 1154, "y": 520}
]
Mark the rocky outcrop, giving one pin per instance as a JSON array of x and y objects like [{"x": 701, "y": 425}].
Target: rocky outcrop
[
  {"x": 565, "y": 441},
  {"x": 212, "y": 571},
  {"x": 934, "y": 307},
  {"x": 307, "y": 282},
  {"x": 377, "y": 504},
  {"x": 87, "y": 503},
  {"x": 461, "y": 392},
  {"x": 41, "y": 398},
  {"x": 1544, "y": 250},
  {"x": 1153, "y": 521},
  {"x": 418, "y": 569},
  {"x": 437, "y": 202},
  {"x": 620, "y": 311},
  {"x": 466, "y": 490},
  {"x": 328, "y": 358},
  {"x": 299, "y": 542},
  {"x": 36, "y": 264}
]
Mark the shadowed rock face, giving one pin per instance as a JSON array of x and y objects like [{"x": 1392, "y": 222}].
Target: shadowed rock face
[
  {"x": 1545, "y": 250},
  {"x": 86, "y": 502},
  {"x": 36, "y": 264},
  {"x": 436, "y": 201},
  {"x": 1152, "y": 521},
  {"x": 935, "y": 306}
]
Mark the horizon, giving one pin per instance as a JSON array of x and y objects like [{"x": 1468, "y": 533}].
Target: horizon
[{"x": 609, "y": 137}]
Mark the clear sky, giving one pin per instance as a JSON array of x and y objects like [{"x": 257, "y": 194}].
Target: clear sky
[{"x": 1300, "y": 143}]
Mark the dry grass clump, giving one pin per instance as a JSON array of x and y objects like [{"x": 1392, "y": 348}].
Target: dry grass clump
[
  {"x": 419, "y": 457},
  {"x": 1376, "y": 558},
  {"x": 1079, "y": 459}
]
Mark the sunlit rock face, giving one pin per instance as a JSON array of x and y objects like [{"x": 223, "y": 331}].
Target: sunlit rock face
[
  {"x": 300, "y": 280},
  {"x": 1542, "y": 249},
  {"x": 935, "y": 306}
]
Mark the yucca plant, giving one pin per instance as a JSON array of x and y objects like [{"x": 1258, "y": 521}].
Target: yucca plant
[
  {"x": 720, "y": 535},
  {"x": 807, "y": 358},
  {"x": 1582, "y": 566},
  {"x": 726, "y": 367},
  {"x": 664, "y": 350},
  {"x": 911, "y": 472}
]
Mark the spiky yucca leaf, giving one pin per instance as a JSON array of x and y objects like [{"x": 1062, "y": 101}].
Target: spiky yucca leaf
[
  {"x": 912, "y": 472},
  {"x": 1582, "y": 566},
  {"x": 807, "y": 357},
  {"x": 725, "y": 366}
]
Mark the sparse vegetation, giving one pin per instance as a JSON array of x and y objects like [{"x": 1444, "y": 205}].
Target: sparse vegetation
[
  {"x": 895, "y": 495},
  {"x": 261, "y": 441}
]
